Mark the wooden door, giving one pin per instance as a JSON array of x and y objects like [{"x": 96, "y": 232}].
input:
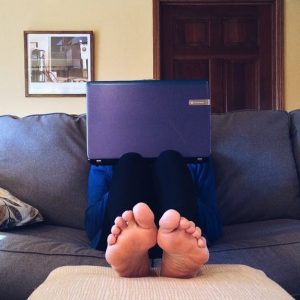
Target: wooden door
[{"x": 231, "y": 45}]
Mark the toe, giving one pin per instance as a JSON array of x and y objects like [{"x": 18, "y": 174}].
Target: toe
[
  {"x": 184, "y": 223},
  {"x": 202, "y": 242},
  {"x": 120, "y": 222},
  {"x": 197, "y": 233},
  {"x": 170, "y": 220},
  {"x": 115, "y": 230},
  {"x": 191, "y": 228},
  {"x": 128, "y": 216},
  {"x": 111, "y": 239},
  {"x": 143, "y": 215}
]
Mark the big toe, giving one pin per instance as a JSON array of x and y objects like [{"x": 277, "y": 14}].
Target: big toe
[
  {"x": 143, "y": 215},
  {"x": 170, "y": 220}
]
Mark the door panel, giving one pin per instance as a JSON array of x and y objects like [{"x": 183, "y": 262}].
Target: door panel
[
  {"x": 191, "y": 68},
  {"x": 229, "y": 45},
  {"x": 241, "y": 84}
]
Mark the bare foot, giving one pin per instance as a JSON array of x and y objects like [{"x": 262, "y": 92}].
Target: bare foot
[
  {"x": 131, "y": 237},
  {"x": 184, "y": 249}
]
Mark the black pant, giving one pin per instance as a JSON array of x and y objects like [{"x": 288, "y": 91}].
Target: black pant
[{"x": 163, "y": 184}]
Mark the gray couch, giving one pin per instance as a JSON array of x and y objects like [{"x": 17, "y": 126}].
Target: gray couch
[{"x": 257, "y": 161}]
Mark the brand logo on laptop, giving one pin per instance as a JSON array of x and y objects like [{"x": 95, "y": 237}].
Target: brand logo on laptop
[{"x": 194, "y": 102}]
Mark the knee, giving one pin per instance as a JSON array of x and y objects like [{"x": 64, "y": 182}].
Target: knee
[
  {"x": 170, "y": 156},
  {"x": 131, "y": 157}
]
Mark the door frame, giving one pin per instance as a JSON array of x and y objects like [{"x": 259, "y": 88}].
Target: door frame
[{"x": 277, "y": 39}]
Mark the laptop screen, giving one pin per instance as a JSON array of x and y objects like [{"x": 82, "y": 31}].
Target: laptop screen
[{"x": 148, "y": 117}]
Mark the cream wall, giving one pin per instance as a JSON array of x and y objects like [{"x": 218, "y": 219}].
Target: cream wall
[
  {"x": 292, "y": 54},
  {"x": 123, "y": 46}
]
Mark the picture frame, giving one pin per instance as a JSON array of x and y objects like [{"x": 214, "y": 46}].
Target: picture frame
[{"x": 58, "y": 63}]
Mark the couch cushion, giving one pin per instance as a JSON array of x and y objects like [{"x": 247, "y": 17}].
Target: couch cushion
[
  {"x": 255, "y": 168},
  {"x": 48, "y": 240},
  {"x": 295, "y": 134},
  {"x": 29, "y": 254},
  {"x": 43, "y": 162},
  {"x": 272, "y": 246}
]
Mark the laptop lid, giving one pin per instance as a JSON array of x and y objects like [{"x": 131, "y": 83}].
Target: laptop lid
[{"x": 148, "y": 117}]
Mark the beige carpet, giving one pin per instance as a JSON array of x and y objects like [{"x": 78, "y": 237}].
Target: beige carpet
[{"x": 214, "y": 282}]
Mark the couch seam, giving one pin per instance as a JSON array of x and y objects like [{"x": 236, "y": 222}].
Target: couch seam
[
  {"x": 52, "y": 254},
  {"x": 254, "y": 247}
]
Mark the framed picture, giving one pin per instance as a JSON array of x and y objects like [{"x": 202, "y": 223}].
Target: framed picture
[{"x": 58, "y": 63}]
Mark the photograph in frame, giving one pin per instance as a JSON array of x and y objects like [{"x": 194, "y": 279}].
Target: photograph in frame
[{"x": 58, "y": 63}]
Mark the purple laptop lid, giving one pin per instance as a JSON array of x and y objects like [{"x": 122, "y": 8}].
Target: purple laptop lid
[{"x": 148, "y": 117}]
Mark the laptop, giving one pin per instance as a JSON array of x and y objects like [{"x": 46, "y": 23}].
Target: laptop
[{"x": 148, "y": 117}]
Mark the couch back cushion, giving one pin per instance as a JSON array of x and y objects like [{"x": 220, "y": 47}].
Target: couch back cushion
[
  {"x": 43, "y": 162},
  {"x": 255, "y": 167},
  {"x": 295, "y": 134}
]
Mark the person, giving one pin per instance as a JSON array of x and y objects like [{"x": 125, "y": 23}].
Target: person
[{"x": 140, "y": 209}]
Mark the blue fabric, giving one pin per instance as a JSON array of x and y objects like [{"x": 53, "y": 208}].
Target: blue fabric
[
  {"x": 203, "y": 176},
  {"x": 210, "y": 220},
  {"x": 98, "y": 191}
]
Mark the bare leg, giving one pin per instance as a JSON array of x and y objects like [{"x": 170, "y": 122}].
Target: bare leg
[
  {"x": 131, "y": 237},
  {"x": 184, "y": 249}
]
